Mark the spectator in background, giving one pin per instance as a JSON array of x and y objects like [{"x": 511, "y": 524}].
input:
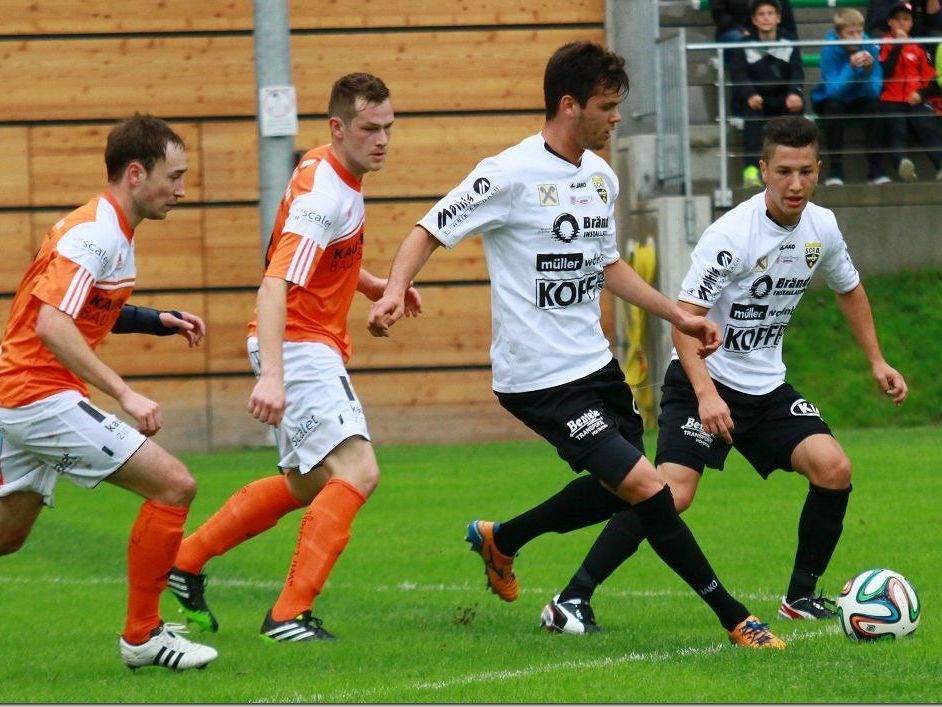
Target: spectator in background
[
  {"x": 908, "y": 82},
  {"x": 927, "y": 17},
  {"x": 767, "y": 81},
  {"x": 851, "y": 82},
  {"x": 733, "y": 20}
]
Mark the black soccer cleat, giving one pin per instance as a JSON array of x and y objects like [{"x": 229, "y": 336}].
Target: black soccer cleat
[
  {"x": 302, "y": 627},
  {"x": 810, "y": 607},
  {"x": 189, "y": 589},
  {"x": 574, "y": 616}
]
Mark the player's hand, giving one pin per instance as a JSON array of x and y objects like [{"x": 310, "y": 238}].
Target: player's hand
[
  {"x": 189, "y": 326},
  {"x": 385, "y": 312},
  {"x": 267, "y": 401},
  {"x": 914, "y": 99},
  {"x": 715, "y": 417},
  {"x": 146, "y": 412},
  {"x": 891, "y": 382},
  {"x": 702, "y": 329},
  {"x": 412, "y": 303},
  {"x": 794, "y": 103},
  {"x": 755, "y": 101}
]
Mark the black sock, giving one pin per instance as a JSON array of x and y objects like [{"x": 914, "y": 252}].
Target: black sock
[
  {"x": 618, "y": 541},
  {"x": 581, "y": 503},
  {"x": 819, "y": 529},
  {"x": 674, "y": 543}
]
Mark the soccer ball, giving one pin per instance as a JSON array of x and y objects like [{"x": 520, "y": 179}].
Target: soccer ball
[{"x": 878, "y": 604}]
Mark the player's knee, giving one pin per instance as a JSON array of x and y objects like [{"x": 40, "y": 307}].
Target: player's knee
[
  {"x": 366, "y": 478},
  {"x": 682, "y": 499},
  {"x": 833, "y": 472},
  {"x": 179, "y": 485}
]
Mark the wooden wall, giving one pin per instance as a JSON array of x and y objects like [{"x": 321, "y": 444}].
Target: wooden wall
[{"x": 466, "y": 82}]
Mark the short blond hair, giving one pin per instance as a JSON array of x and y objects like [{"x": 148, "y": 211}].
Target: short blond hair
[{"x": 847, "y": 17}]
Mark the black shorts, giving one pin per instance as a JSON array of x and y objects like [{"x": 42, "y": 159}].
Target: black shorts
[
  {"x": 595, "y": 417},
  {"x": 767, "y": 427}
]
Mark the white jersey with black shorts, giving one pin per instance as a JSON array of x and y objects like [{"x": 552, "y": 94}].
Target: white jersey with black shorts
[
  {"x": 549, "y": 232},
  {"x": 751, "y": 273}
]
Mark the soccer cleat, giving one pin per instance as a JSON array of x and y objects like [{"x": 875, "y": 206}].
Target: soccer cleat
[
  {"x": 879, "y": 181},
  {"x": 302, "y": 627},
  {"x": 574, "y": 616},
  {"x": 752, "y": 633},
  {"x": 497, "y": 566},
  {"x": 189, "y": 590},
  {"x": 167, "y": 650},
  {"x": 907, "y": 170},
  {"x": 751, "y": 177},
  {"x": 807, "y": 608}
]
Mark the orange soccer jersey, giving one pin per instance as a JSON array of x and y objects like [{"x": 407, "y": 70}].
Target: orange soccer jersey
[
  {"x": 317, "y": 247},
  {"x": 85, "y": 268}
]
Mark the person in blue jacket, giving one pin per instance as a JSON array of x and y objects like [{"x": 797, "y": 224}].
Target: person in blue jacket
[{"x": 851, "y": 81}]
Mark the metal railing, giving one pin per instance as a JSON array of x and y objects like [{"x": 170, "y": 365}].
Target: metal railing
[{"x": 723, "y": 195}]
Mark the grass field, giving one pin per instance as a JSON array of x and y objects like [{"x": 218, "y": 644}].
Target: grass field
[{"x": 407, "y": 599}]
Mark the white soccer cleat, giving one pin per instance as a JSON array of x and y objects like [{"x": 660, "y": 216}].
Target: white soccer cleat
[
  {"x": 574, "y": 617},
  {"x": 166, "y": 649}
]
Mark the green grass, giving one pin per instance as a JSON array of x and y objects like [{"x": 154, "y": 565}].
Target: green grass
[
  {"x": 826, "y": 365},
  {"x": 407, "y": 599}
]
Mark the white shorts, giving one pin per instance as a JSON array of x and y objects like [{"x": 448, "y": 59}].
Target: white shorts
[
  {"x": 62, "y": 435},
  {"x": 321, "y": 409}
]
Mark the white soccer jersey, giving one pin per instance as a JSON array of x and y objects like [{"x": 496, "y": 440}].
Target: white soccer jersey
[
  {"x": 751, "y": 273},
  {"x": 549, "y": 231}
]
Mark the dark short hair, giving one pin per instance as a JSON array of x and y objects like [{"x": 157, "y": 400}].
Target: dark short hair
[
  {"x": 790, "y": 131},
  {"x": 139, "y": 138},
  {"x": 347, "y": 89},
  {"x": 579, "y": 69},
  {"x": 756, "y": 4}
]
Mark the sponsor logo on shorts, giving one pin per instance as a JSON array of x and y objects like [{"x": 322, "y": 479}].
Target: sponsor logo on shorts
[
  {"x": 693, "y": 429},
  {"x": 118, "y": 428},
  {"x": 802, "y": 408},
  {"x": 634, "y": 406},
  {"x": 304, "y": 428},
  {"x": 748, "y": 312},
  {"x": 589, "y": 424},
  {"x": 746, "y": 339},
  {"x": 557, "y": 294},
  {"x": 66, "y": 462}
]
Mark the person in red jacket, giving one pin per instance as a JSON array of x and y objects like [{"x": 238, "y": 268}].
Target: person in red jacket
[{"x": 908, "y": 83}]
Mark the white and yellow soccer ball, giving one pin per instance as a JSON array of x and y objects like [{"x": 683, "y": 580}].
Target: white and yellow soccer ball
[{"x": 878, "y": 604}]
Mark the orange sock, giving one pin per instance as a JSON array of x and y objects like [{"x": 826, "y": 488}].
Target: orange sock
[
  {"x": 253, "y": 509},
  {"x": 155, "y": 538},
  {"x": 324, "y": 532}
]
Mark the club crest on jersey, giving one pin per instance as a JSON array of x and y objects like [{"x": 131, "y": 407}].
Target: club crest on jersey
[
  {"x": 600, "y": 188},
  {"x": 762, "y": 264},
  {"x": 549, "y": 194},
  {"x": 812, "y": 252}
]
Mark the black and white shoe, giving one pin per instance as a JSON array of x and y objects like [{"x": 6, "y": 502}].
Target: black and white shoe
[
  {"x": 574, "y": 616},
  {"x": 302, "y": 627},
  {"x": 190, "y": 591},
  {"x": 166, "y": 649},
  {"x": 811, "y": 607}
]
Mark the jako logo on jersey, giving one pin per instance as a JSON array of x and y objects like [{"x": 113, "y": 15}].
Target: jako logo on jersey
[
  {"x": 748, "y": 312},
  {"x": 812, "y": 252},
  {"x": 481, "y": 185},
  {"x": 724, "y": 258},
  {"x": 802, "y": 408},
  {"x": 761, "y": 287},
  {"x": 600, "y": 188},
  {"x": 565, "y": 228},
  {"x": 556, "y": 294},
  {"x": 305, "y": 427},
  {"x": 788, "y": 246},
  {"x": 558, "y": 262},
  {"x": 744, "y": 340},
  {"x": 693, "y": 428},
  {"x": 589, "y": 423},
  {"x": 450, "y": 211},
  {"x": 549, "y": 195}
]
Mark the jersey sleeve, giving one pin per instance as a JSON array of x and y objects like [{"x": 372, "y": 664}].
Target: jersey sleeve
[
  {"x": 308, "y": 228},
  {"x": 82, "y": 257},
  {"x": 610, "y": 253},
  {"x": 481, "y": 202},
  {"x": 836, "y": 266},
  {"x": 716, "y": 260}
]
